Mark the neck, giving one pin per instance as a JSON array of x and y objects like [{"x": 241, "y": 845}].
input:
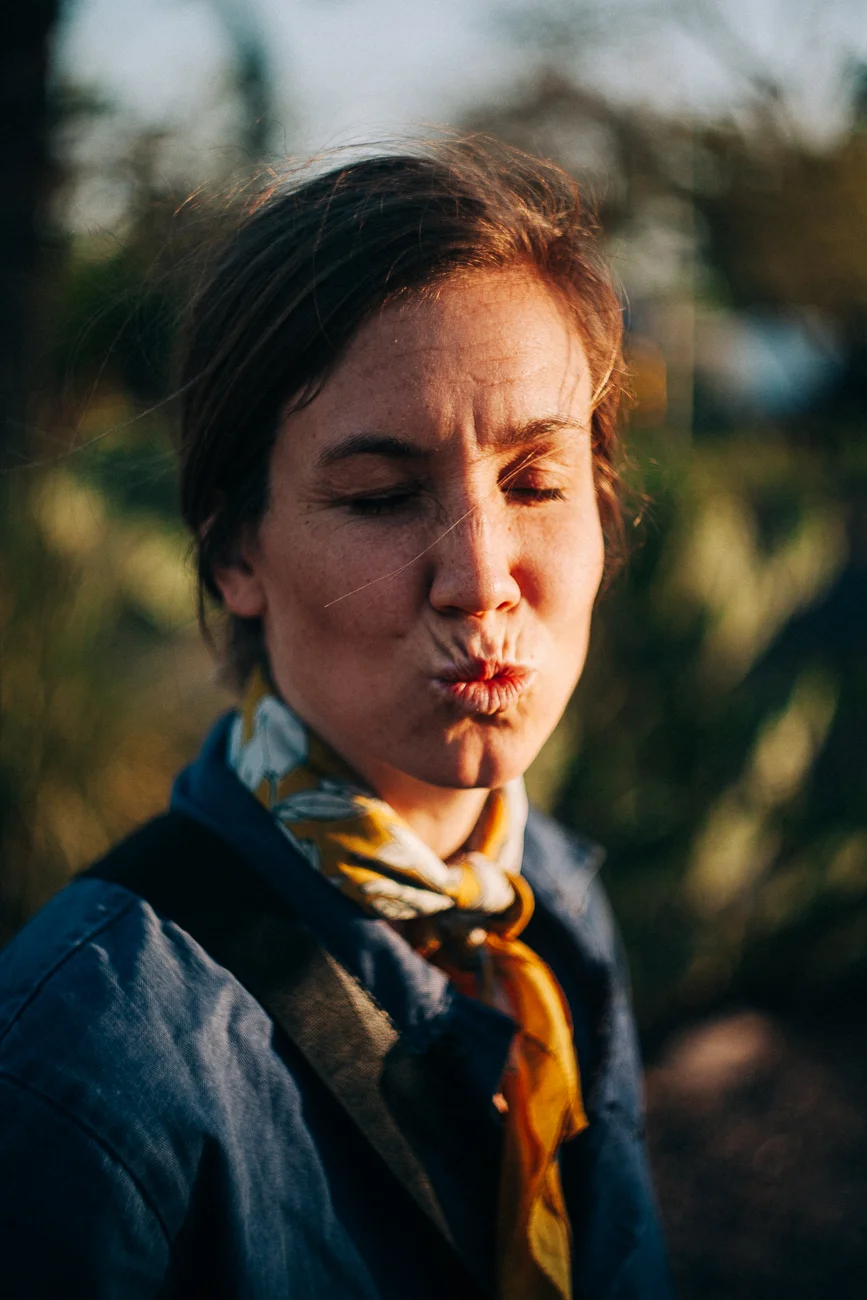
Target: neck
[{"x": 442, "y": 818}]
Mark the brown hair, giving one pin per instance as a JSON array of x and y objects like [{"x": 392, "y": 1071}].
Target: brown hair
[{"x": 311, "y": 259}]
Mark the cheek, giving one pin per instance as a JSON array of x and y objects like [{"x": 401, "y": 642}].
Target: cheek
[
  {"x": 337, "y": 580},
  {"x": 568, "y": 568}
]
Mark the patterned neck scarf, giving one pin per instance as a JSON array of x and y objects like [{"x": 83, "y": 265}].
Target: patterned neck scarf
[{"x": 465, "y": 915}]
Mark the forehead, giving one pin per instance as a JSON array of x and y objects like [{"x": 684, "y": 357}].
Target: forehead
[{"x": 480, "y": 352}]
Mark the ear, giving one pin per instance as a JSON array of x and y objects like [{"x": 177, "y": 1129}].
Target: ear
[{"x": 241, "y": 587}]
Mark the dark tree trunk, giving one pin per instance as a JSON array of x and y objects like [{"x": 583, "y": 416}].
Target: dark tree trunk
[{"x": 24, "y": 184}]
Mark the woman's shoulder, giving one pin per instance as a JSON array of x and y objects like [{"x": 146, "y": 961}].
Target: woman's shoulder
[
  {"x": 138, "y": 1079},
  {"x": 94, "y": 949},
  {"x": 117, "y": 1016},
  {"x": 68, "y": 956}
]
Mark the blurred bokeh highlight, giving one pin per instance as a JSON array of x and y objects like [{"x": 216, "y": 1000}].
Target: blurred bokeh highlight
[{"x": 717, "y": 744}]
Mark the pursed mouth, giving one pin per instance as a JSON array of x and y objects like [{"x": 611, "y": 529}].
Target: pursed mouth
[{"x": 484, "y": 686}]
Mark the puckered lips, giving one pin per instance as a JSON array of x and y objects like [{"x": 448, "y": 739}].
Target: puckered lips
[{"x": 483, "y": 686}]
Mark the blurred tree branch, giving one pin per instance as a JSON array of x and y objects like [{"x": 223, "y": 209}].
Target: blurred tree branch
[
  {"x": 772, "y": 216},
  {"x": 568, "y": 37},
  {"x": 253, "y": 75}
]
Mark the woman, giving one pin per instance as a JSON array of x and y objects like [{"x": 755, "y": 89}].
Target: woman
[{"x": 348, "y": 1021}]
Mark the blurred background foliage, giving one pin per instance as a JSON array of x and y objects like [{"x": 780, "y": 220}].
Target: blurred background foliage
[{"x": 717, "y": 743}]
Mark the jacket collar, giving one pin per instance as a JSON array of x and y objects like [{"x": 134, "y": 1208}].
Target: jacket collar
[
  {"x": 456, "y": 1045},
  {"x": 559, "y": 867},
  {"x": 420, "y": 1000},
  {"x": 451, "y": 1050}
]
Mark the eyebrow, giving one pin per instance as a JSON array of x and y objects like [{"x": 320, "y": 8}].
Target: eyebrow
[{"x": 376, "y": 444}]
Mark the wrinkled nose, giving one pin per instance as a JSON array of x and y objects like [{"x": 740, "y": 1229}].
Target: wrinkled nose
[{"x": 474, "y": 567}]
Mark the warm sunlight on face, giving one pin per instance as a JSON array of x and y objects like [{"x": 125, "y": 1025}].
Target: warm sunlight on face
[{"x": 429, "y": 560}]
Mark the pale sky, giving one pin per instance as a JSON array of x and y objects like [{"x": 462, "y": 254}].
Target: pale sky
[
  {"x": 354, "y": 69},
  {"x": 342, "y": 67}
]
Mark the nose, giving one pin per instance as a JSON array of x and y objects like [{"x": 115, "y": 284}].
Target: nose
[{"x": 474, "y": 569}]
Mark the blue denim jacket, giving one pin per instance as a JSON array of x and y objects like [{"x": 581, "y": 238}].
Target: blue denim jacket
[{"x": 158, "y": 1138}]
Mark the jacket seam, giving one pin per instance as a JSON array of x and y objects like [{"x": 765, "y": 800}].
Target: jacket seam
[
  {"x": 590, "y": 856},
  {"x": 597, "y": 858},
  {"x": 94, "y": 1136},
  {"x": 72, "y": 950}
]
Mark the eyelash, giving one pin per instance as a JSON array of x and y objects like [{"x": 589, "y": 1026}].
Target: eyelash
[
  {"x": 535, "y": 496},
  {"x": 372, "y": 507}
]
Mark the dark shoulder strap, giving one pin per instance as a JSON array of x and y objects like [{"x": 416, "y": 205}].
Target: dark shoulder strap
[{"x": 191, "y": 876}]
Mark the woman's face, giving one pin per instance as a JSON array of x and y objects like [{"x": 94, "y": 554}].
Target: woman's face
[{"x": 428, "y": 563}]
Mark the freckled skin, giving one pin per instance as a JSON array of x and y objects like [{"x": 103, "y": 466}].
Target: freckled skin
[{"x": 375, "y": 572}]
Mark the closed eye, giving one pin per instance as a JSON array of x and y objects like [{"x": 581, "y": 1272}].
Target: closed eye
[
  {"x": 382, "y": 503},
  {"x": 533, "y": 495},
  {"x": 524, "y": 481}
]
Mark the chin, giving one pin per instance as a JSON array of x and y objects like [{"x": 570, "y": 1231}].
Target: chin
[{"x": 473, "y": 762}]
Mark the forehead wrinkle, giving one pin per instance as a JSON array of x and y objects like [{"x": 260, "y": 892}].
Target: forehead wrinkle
[
  {"x": 529, "y": 433},
  {"x": 537, "y": 437},
  {"x": 371, "y": 444},
  {"x": 533, "y": 431}
]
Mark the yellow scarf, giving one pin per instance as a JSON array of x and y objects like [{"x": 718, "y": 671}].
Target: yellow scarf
[{"x": 476, "y": 901}]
